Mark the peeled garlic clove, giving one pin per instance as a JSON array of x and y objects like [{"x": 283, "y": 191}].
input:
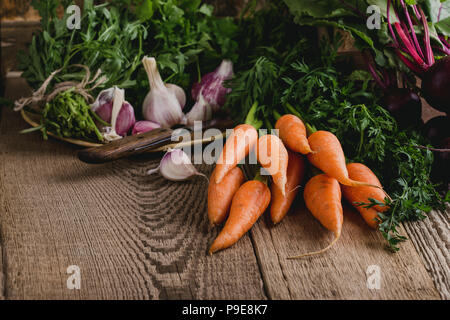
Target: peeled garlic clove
[
  {"x": 176, "y": 166},
  {"x": 179, "y": 93},
  {"x": 161, "y": 105},
  {"x": 144, "y": 126}
]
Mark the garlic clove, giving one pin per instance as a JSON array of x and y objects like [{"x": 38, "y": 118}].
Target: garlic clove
[
  {"x": 125, "y": 119},
  {"x": 200, "y": 111},
  {"x": 144, "y": 126},
  {"x": 104, "y": 111},
  {"x": 175, "y": 165},
  {"x": 104, "y": 97},
  {"x": 161, "y": 105},
  {"x": 179, "y": 93},
  {"x": 103, "y": 107}
]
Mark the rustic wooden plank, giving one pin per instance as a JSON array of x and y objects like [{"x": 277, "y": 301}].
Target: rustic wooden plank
[
  {"x": 2, "y": 275},
  {"x": 431, "y": 238},
  {"x": 134, "y": 249},
  {"x": 133, "y": 236},
  {"x": 339, "y": 273}
]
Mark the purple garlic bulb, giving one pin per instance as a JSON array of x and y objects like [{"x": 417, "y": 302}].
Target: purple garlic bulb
[{"x": 209, "y": 93}]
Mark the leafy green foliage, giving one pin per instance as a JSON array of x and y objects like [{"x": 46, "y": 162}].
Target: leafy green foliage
[
  {"x": 183, "y": 35},
  {"x": 269, "y": 42},
  {"x": 351, "y": 16},
  {"x": 69, "y": 116},
  {"x": 110, "y": 39}
]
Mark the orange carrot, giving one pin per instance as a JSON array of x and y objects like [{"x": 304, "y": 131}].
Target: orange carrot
[
  {"x": 329, "y": 157},
  {"x": 221, "y": 194},
  {"x": 237, "y": 147},
  {"x": 292, "y": 132},
  {"x": 360, "y": 172},
  {"x": 273, "y": 156},
  {"x": 295, "y": 172},
  {"x": 322, "y": 196},
  {"x": 249, "y": 203}
]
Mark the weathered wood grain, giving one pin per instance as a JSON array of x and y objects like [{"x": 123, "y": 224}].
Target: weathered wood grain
[
  {"x": 339, "y": 273},
  {"x": 133, "y": 236},
  {"x": 431, "y": 238},
  {"x": 140, "y": 237},
  {"x": 2, "y": 275}
]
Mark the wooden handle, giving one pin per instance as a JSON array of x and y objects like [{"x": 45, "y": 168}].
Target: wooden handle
[
  {"x": 141, "y": 143},
  {"x": 128, "y": 146}
]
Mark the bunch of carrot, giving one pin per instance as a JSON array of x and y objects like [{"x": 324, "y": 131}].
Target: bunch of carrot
[{"x": 239, "y": 204}]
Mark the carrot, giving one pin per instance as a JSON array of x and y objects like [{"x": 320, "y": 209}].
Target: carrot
[
  {"x": 329, "y": 157},
  {"x": 273, "y": 156},
  {"x": 322, "y": 196},
  {"x": 221, "y": 194},
  {"x": 295, "y": 172},
  {"x": 249, "y": 203},
  {"x": 292, "y": 132},
  {"x": 237, "y": 147},
  {"x": 360, "y": 172}
]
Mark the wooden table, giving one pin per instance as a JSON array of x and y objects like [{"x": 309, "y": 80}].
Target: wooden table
[{"x": 135, "y": 236}]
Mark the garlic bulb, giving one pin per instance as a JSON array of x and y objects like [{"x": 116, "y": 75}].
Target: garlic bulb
[
  {"x": 179, "y": 93},
  {"x": 210, "y": 94},
  {"x": 161, "y": 105},
  {"x": 176, "y": 166},
  {"x": 103, "y": 106},
  {"x": 144, "y": 126}
]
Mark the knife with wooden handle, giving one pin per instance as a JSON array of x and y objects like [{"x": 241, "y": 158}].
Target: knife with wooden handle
[{"x": 155, "y": 139}]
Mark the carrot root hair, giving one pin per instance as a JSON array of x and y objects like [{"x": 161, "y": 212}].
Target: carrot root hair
[
  {"x": 293, "y": 189},
  {"x": 336, "y": 238}
]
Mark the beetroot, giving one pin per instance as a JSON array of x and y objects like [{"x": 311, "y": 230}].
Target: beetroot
[
  {"x": 441, "y": 165},
  {"x": 419, "y": 57},
  {"x": 404, "y": 105},
  {"x": 436, "y": 129},
  {"x": 436, "y": 85}
]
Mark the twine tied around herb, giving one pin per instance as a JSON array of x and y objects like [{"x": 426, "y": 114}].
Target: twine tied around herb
[{"x": 78, "y": 87}]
